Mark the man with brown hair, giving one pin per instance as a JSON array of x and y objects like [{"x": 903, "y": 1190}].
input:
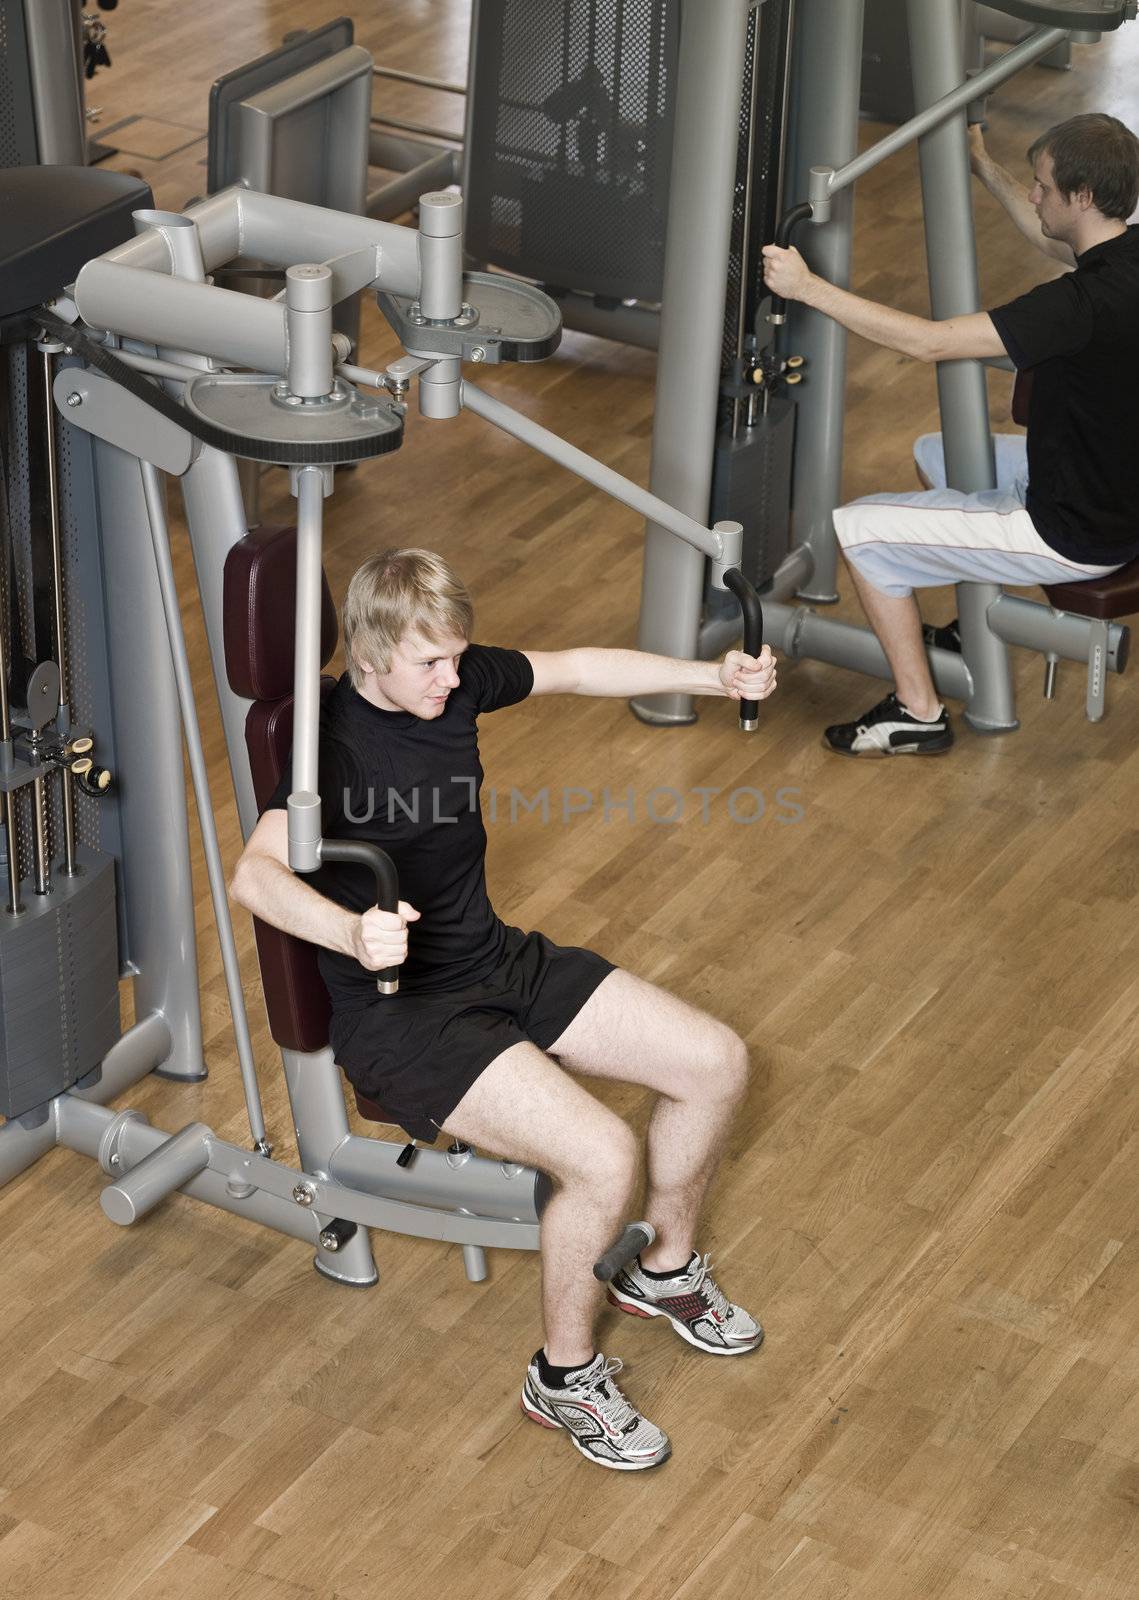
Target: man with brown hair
[
  {"x": 476, "y": 1043},
  {"x": 1075, "y": 512}
]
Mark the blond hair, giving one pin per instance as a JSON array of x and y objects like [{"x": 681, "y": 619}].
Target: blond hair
[{"x": 396, "y": 593}]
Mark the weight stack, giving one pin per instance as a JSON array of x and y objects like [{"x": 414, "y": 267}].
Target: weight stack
[
  {"x": 59, "y": 985},
  {"x": 751, "y": 484}
]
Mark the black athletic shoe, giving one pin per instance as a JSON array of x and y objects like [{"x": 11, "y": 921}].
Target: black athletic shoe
[
  {"x": 888, "y": 729},
  {"x": 947, "y": 638}
]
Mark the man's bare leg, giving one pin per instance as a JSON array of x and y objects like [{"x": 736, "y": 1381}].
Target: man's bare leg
[
  {"x": 633, "y": 1031},
  {"x": 524, "y": 1107},
  {"x": 896, "y": 621}
]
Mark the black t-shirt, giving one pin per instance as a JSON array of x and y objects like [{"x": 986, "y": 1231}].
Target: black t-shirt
[
  {"x": 412, "y": 786},
  {"x": 1079, "y": 335}
]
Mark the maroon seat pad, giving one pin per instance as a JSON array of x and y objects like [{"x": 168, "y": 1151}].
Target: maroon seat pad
[{"x": 1117, "y": 595}]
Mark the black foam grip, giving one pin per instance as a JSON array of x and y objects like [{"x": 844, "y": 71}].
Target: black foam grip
[
  {"x": 745, "y": 593},
  {"x": 783, "y": 231},
  {"x": 382, "y": 866}
]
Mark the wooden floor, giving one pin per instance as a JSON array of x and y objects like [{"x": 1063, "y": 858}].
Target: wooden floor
[{"x": 932, "y": 1197}]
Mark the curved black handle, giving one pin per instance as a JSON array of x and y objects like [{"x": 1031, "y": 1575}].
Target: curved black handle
[
  {"x": 786, "y": 223},
  {"x": 381, "y": 864},
  {"x": 745, "y": 593}
]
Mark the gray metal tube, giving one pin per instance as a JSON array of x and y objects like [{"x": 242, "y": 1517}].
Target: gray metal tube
[
  {"x": 178, "y": 1159},
  {"x": 398, "y": 76},
  {"x": 440, "y": 256},
  {"x": 1056, "y": 633},
  {"x": 1006, "y": 66},
  {"x": 157, "y": 890},
  {"x": 41, "y": 859},
  {"x": 567, "y": 455},
  {"x": 701, "y": 196},
  {"x": 935, "y": 54},
  {"x": 179, "y": 233},
  {"x": 827, "y": 58},
  {"x": 211, "y": 850},
  {"x": 242, "y": 222},
  {"x": 83, "y": 1127},
  {"x": 401, "y": 194},
  {"x": 304, "y": 800},
  {"x": 142, "y": 1048},
  {"x": 238, "y": 328},
  {"x": 440, "y": 393},
  {"x": 476, "y": 1184},
  {"x": 57, "y": 95},
  {"x": 308, "y": 321},
  {"x": 801, "y": 633}
]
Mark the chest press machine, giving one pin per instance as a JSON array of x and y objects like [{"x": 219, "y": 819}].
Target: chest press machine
[{"x": 134, "y": 348}]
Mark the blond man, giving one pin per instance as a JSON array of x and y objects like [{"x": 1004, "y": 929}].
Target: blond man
[{"x": 490, "y": 1021}]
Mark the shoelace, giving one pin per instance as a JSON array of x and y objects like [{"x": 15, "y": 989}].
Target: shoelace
[
  {"x": 620, "y": 1413},
  {"x": 705, "y": 1284}
]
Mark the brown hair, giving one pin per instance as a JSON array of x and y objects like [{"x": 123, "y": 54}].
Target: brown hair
[
  {"x": 396, "y": 593},
  {"x": 1097, "y": 153}
]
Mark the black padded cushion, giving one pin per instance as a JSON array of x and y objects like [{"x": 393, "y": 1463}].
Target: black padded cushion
[
  {"x": 54, "y": 220},
  {"x": 259, "y": 603},
  {"x": 1117, "y": 595}
]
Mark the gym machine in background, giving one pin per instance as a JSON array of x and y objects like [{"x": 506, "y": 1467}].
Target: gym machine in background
[
  {"x": 137, "y": 355},
  {"x": 820, "y": 164},
  {"x": 631, "y": 157}
]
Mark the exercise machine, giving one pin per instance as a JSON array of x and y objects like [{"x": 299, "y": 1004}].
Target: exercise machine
[
  {"x": 821, "y": 165},
  {"x": 154, "y": 369}
]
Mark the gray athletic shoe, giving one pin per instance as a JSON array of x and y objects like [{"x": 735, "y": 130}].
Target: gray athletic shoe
[
  {"x": 693, "y": 1302},
  {"x": 597, "y": 1416}
]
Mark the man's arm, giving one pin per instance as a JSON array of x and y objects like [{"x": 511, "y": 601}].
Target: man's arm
[
  {"x": 623, "y": 673},
  {"x": 970, "y": 337},
  {"x": 265, "y": 884},
  {"x": 1013, "y": 196}
]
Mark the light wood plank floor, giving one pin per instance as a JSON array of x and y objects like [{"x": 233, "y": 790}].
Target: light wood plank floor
[{"x": 931, "y": 1199}]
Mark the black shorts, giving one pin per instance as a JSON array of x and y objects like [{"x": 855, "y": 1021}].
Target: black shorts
[{"x": 418, "y": 1054}]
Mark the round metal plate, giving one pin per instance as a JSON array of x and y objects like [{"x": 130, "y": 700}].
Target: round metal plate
[
  {"x": 528, "y": 322},
  {"x": 352, "y": 428}
]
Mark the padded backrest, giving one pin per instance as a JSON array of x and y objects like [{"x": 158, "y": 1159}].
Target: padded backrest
[{"x": 259, "y": 603}]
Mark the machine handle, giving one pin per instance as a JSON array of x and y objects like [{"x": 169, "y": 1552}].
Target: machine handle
[
  {"x": 789, "y": 219},
  {"x": 381, "y": 864},
  {"x": 636, "y": 1237},
  {"x": 745, "y": 593}
]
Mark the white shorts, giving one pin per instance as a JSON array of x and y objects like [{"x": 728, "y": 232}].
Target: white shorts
[{"x": 903, "y": 542}]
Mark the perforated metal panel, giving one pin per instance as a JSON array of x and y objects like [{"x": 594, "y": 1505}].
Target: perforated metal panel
[
  {"x": 17, "y": 125},
  {"x": 570, "y": 141}
]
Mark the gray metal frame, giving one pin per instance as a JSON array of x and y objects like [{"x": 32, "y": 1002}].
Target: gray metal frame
[{"x": 151, "y": 292}]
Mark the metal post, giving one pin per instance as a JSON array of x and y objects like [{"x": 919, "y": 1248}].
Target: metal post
[
  {"x": 702, "y": 187},
  {"x": 309, "y": 486},
  {"x": 827, "y": 63},
  {"x": 211, "y": 850},
  {"x": 935, "y": 52}
]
